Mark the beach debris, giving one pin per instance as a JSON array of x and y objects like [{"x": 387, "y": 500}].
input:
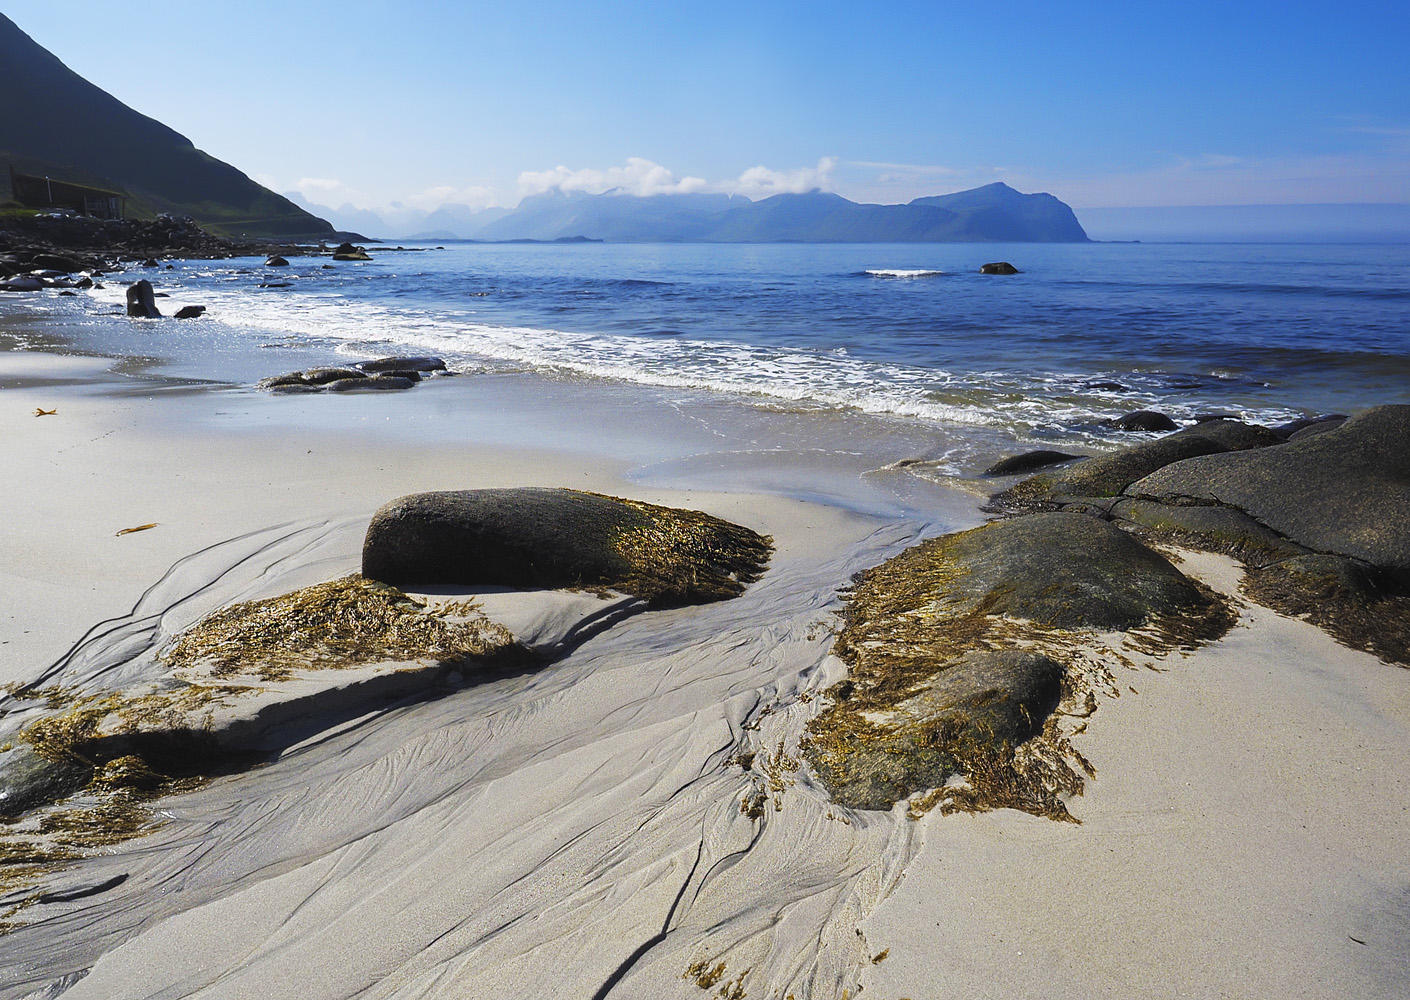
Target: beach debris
[
  {"x": 141, "y": 301},
  {"x": 959, "y": 649},
  {"x": 998, "y": 267},
  {"x": 140, "y": 527},
  {"x": 557, "y": 538},
  {"x": 39, "y": 411},
  {"x": 1143, "y": 420}
]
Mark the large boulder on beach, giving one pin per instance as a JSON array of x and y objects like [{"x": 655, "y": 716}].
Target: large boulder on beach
[
  {"x": 553, "y": 538},
  {"x": 142, "y": 301},
  {"x": 1109, "y": 475},
  {"x": 1063, "y": 570},
  {"x": 955, "y": 651},
  {"x": 21, "y": 283},
  {"x": 1345, "y": 491}
]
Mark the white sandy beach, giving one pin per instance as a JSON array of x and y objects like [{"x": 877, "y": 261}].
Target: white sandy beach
[{"x": 577, "y": 832}]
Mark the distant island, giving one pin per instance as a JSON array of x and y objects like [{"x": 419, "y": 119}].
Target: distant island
[
  {"x": 67, "y": 145},
  {"x": 994, "y": 213}
]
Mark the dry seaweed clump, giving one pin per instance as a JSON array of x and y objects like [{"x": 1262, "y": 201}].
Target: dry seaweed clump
[
  {"x": 686, "y": 555},
  {"x": 341, "y": 623},
  {"x": 961, "y": 649}
]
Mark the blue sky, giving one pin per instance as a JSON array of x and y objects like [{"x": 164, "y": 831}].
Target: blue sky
[{"x": 375, "y": 103}]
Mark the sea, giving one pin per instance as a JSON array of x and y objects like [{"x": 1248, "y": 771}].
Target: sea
[{"x": 912, "y": 335}]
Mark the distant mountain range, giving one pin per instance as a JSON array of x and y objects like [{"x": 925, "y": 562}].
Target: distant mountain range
[
  {"x": 54, "y": 123},
  {"x": 995, "y": 213}
]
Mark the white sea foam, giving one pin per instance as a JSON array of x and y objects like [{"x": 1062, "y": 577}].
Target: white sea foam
[{"x": 882, "y": 272}]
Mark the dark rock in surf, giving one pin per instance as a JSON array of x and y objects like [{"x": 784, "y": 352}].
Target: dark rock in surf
[
  {"x": 1143, "y": 420},
  {"x": 415, "y": 364},
  {"x": 998, "y": 267},
  {"x": 141, "y": 301},
  {"x": 322, "y": 376},
  {"x": 552, "y": 538},
  {"x": 190, "y": 312},
  {"x": 274, "y": 260},
  {"x": 1029, "y": 461}
]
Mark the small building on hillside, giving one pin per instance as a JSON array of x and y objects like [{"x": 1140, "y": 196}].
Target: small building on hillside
[{"x": 45, "y": 193}]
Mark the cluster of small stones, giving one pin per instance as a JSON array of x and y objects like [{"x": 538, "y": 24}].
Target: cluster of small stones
[{"x": 382, "y": 373}]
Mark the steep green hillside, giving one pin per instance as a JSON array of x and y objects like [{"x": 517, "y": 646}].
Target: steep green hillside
[{"x": 54, "y": 122}]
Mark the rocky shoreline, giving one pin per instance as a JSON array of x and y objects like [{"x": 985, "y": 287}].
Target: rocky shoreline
[{"x": 967, "y": 652}]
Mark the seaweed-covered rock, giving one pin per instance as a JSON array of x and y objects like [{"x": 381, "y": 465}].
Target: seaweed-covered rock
[
  {"x": 954, "y": 650},
  {"x": 29, "y": 780},
  {"x": 985, "y": 699},
  {"x": 1062, "y": 570},
  {"x": 535, "y": 537},
  {"x": 424, "y": 363},
  {"x": 322, "y": 376},
  {"x": 1345, "y": 491},
  {"x": 369, "y": 383},
  {"x": 1029, "y": 461},
  {"x": 1211, "y": 527}
]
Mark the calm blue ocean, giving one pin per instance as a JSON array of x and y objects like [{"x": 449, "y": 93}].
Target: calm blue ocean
[{"x": 1085, "y": 332}]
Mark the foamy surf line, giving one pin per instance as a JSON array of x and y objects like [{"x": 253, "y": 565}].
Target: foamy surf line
[{"x": 882, "y": 272}]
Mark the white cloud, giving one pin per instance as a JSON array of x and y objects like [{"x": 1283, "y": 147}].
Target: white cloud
[
  {"x": 761, "y": 182},
  {"x": 639, "y": 177}
]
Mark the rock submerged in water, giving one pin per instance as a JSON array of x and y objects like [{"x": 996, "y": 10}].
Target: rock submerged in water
[
  {"x": 554, "y": 538},
  {"x": 190, "y": 312},
  {"x": 142, "y": 301},
  {"x": 1029, "y": 461},
  {"x": 1143, "y": 420},
  {"x": 377, "y": 375},
  {"x": 998, "y": 267},
  {"x": 346, "y": 251},
  {"x": 274, "y": 260}
]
